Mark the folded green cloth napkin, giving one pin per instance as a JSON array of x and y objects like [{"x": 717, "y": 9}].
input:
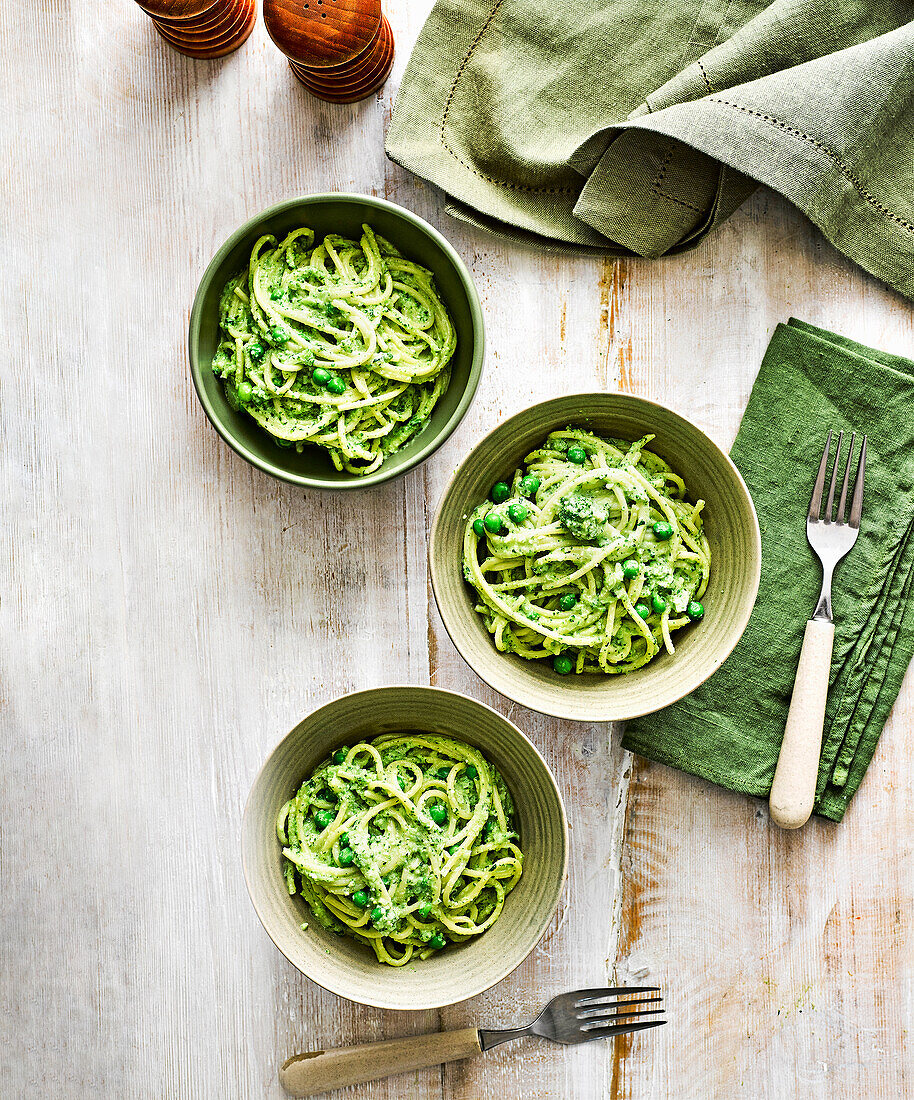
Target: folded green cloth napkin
[
  {"x": 730, "y": 729},
  {"x": 625, "y": 126}
]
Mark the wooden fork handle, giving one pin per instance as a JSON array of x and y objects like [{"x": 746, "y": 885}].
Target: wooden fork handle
[
  {"x": 793, "y": 791},
  {"x": 320, "y": 1070}
]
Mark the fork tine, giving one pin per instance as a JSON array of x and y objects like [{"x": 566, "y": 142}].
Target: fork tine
[
  {"x": 857, "y": 501},
  {"x": 587, "y": 997},
  {"x": 834, "y": 476},
  {"x": 621, "y": 1029},
  {"x": 612, "y": 1006},
  {"x": 815, "y": 505},
  {"x": 839, "y": 518},
  {"x": 597, "y": 1020}
]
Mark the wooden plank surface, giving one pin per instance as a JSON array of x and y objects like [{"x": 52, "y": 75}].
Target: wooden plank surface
[{"x": 169, "y": 613}]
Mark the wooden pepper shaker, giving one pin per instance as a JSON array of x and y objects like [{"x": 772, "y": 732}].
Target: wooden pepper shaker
[
  {"x": 202, "y": 28},
  {"x": 341, "y": 50}
]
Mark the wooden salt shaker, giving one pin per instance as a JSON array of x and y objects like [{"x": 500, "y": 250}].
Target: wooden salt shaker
[
  {"x": 202, "y": 28},
  {"x": 341, "y": 50}
]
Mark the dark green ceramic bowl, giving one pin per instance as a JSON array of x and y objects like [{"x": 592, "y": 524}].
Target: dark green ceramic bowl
[{"x": 343, "y": 214}]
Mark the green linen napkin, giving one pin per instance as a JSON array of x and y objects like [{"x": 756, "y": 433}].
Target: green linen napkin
[
  {"x": 626, "y": 127},
  {"x": 729, "y": 730}
]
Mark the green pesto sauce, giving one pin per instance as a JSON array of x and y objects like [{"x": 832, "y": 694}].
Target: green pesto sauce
[
  {"x": 609, "y": 558},
  {"x": 345, "y": 345},
  {"x": 393, "y": 851}
]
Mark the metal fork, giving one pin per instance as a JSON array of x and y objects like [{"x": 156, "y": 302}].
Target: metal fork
[
  {"x": 793, "y": 789},
  {"x": 574, "y": 1017}
]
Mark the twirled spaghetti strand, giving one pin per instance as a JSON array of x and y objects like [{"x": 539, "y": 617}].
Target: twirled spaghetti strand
[
  {"x": 345, "y": 345},
  {"x": 405, "y": 842},
  {"x": 592, "y": 555}
]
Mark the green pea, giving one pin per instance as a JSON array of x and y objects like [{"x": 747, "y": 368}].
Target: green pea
[
  {"x": 336, "y": 385},
  {"x": 642, "y": 609},
  {"x": 577, "y": 455},
  {"x": 360, "y": 898},
  {"x": 344, "y": 840},
  {"x": 562, "y": 664},
  {"x": 346, "y": 857},
  {"x": 278, "y": 335},
  {"x": 339, "y": 756},
  {"x": 323, "y": 818},
  {"x": 478, "y": 528},
  {"x": 377, "y": 914},
  {"x": 492, "y": 523},
  {"x": 663, "y": 530},
  {"x": 438, "y": 813},
  {"x": 244, "y": 391},
  {"x": 437, "y": 941},
  {"x": 470, "y": 771},
  {"x": 658, "y": 603},
  {"x": 529, "y": 485},
  {"x": 424, "y": 912},
  {"x": 567, "y": 602},
  {"x": 255, "y": 351},
  {"x": 630, "y": 569},
  {"x": 321, "y": 376},
  {"x": 517, "y": 512},
  {"x": 500, "y": 492},
  {"x": 695, "y": 610}
]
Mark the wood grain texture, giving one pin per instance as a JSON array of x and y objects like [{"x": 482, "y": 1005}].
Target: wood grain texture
[
  {"x": 356, "y": 80},
  {"x": 170, "y": 612},
  {"x": 209, "y": 33},
  {"x": 190, "y": 10},
  {"x": 342, "y": 52},
  {"x": 316, "y": 1071},
  {"x": 322, "y": 33}
]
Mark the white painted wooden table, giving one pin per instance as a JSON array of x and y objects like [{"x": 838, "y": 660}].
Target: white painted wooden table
[{"x": 168, "y": 613}]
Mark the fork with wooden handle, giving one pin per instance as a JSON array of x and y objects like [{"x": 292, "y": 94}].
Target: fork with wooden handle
[
  {"x": 574, "y": 1017},
  {"x": 793, "y": 790}
]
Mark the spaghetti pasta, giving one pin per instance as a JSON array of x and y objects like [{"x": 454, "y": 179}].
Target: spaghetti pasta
[
  {"x": 344, "y": 346},
  {"x": 404, "y": 842},
  {"x": 592, "y": 556}
]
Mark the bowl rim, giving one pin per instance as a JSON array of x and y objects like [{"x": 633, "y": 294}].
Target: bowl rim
[
  {"x": 556, "y": 710},
  {"x": 476, "y": 988},
  {"x": 380, "y": 475}
]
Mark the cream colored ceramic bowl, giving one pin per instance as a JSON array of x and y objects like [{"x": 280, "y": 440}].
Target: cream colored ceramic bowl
[
  {"x": 461, "y": 970},
  {"x": 730, "y": 524}
]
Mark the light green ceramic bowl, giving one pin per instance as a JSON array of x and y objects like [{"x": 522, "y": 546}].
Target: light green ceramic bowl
[
  {"x": 344, "y": 214},
  {"x": 730, "y": 524},
  {"x": 349, "y": 968}
]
